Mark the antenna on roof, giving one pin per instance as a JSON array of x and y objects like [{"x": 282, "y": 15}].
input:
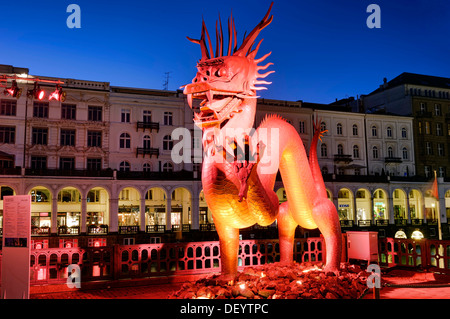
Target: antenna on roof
[{"x": 166, "y": 81}]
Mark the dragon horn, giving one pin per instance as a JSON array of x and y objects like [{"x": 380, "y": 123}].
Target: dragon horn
[
  {"x": 250, "y": 39},
  {"x": 202, "y": 42}
]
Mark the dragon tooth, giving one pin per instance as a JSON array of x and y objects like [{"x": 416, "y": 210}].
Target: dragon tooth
[
  {"x": 189, "y": 100},
  {"x": 210, "y": 95}
]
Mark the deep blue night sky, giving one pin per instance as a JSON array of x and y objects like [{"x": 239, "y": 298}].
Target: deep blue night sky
[{"x": 321, "y": 49}]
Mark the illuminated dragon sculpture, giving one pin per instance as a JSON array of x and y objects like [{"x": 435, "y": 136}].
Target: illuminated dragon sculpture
[{"x": 238, "y": 188}]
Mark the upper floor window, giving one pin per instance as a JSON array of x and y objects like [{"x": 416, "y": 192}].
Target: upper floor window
[
  {"x": 405, "y": 153},
  {"x": 94, "y": 139},
  {"x": 427, "y": 171},
  {"x": 355, "y": 151},
  {"x": 375, "y": 152},
  {"x": 427, "y": 128},
  {"x": 7, "y": 134},
  {"x": 302, "y": 127},
  {"x": 147, "y": 167},
  {"x": 67, "y": 163},
  {"x": 355, "y": 130},
  {"x": 168, "y": 167},
  {"x": 147, "y": 116},
  {"x": 374, "y": 131},
  {"x": 8, "y": 107},
  {"x": 147, "y": 142},
  {"x": 94, "y": 164},
  {"x": 323, "y": 150},
  {"x": 39, "y": 136},
  {"x": 125, "y": 116},
  {"x": 339, "y": 129},
  {"x": 167, "y": 143},
  {"x": 437, "y": 109},
  {"x": 124, "y": 166},
  {"x": 423, "y": 107},
  {"x": 168, "y": 118},
  {"x": 68, "y": 111},
  {"x": 404, "y": 133},
  {"x": 323, "y": 126},
  {"x": 38, "y": 162},
  {"x": 340, "y": 149},
  {"x": 125, "y": 140},
  {"x": 67, "y": 137},
  {"x": 440, "y": 149},
  {"x": 40, "y": 109},
  {"x": 389, "y": 131},
  {"x": 439, "y": 131},
  {"x": 429, "y": 148},
  {"x": 95, "y": 113},
  {"x": 390, "y": 152}
]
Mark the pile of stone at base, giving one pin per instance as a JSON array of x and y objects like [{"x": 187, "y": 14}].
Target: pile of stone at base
[{"x": 276, "y": 281}]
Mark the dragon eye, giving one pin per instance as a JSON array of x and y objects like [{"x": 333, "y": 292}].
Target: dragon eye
[{"x": 221, "y": 72}]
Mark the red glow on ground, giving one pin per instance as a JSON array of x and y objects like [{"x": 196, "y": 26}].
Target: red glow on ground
[{"x": 276, "y": 281}]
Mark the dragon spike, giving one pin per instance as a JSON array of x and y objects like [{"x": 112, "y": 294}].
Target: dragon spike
[
  {"x": 248, "y": 42},
  {"x": 235, "y": 36},
  {"x": 253, "y": 53},
  {"x": 264, "y": 66},
  {"x": 209, "y": 39},
  {"x": 230, "y": 33},
  {"x": 265, "y": 74},
  {"x": 262, "y": 82},
  {"x": 219, "y": 39},
  {"x": 262, "y": 58},
  {"x": 202, "y": 42}
]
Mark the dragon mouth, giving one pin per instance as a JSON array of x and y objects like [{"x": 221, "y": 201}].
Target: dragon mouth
[{"x": 216, "y": 107}]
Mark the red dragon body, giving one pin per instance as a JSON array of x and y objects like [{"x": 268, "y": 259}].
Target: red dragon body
[{"x": 239, "y": 188}]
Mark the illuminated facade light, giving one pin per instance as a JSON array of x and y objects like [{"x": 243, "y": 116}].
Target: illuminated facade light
[
  {"x": 58, "y": 94},
  {"x": 14, "y": 90},
  {"x": 38, "y": 92},
  {"x": 417, "y": 234}
]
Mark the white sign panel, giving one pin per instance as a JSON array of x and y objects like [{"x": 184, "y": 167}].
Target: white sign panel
[{"x": 16, "y": 247}]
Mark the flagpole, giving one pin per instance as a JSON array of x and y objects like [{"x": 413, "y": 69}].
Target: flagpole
[{"x": 438, "y": 208}]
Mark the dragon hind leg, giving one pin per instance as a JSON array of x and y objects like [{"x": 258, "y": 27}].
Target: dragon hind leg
[
  {"x": 325, "y": 216},
  {"x": 286, "y": 233}
]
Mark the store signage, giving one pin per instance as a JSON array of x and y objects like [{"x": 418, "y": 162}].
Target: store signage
[{"x": 16, "y": 247}]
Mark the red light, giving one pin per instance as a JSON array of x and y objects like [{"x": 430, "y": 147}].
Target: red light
[
  {"x": 58, "y": 94},
  {"x": 54, "y": 95},
  {"x": 14, "y": 90},
  {"x": 40, "y": 94}
]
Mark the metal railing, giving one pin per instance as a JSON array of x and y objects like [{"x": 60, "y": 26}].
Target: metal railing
[
  {"x": 423, "y": 253},
  {"x": 50, "y": 265}
]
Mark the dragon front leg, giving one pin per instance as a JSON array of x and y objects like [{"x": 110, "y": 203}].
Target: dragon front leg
[{"x": 229, "y": 249}]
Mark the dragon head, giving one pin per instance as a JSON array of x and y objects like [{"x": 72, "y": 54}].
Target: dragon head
[{"x": 223, "y": 82}]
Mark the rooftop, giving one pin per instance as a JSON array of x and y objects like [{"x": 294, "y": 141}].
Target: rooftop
[{"x": 415, "y": 79}]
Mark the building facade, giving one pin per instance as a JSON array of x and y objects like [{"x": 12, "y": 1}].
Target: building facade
[
  {"x": 99, "y": 165},
  {"x": 427, "y": 100}
]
